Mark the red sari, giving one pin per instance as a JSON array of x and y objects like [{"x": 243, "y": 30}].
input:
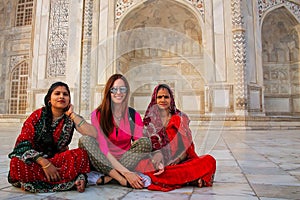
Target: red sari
[
  {"x": 172, "y": 141},
  {"x": 27, "y": 174}
]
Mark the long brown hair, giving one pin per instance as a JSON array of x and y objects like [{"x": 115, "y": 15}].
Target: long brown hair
[{"x": 105, "y": 108}]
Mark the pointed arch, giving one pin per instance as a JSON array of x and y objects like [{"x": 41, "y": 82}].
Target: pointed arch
[
  {"x": 18, "y": 88},
  {"x": 161, "y": 41},
  {"x": 281, "y": 62}
]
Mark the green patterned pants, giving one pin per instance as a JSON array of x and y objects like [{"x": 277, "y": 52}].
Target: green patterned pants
[{"x": 140, "y": 149}]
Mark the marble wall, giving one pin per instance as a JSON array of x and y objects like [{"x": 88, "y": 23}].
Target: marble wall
[{"x": 220, "y": 57}]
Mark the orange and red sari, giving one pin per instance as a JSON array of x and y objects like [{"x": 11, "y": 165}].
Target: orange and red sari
[{"x": 172, "y": 141}]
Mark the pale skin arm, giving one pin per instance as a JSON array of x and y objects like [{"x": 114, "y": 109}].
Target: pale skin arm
[
  {"x": 134, "y": 180},
  {"x": 82, "y": 127}
]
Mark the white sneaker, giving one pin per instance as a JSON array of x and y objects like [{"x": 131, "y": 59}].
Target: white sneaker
[
  {"x": 93, "y": 176},
  {"x": 146, "y": 179}
]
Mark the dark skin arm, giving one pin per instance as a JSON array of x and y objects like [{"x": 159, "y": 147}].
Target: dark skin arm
[
  {"x": 51, "y": 172},
  {"x": 157, "y": 160}
]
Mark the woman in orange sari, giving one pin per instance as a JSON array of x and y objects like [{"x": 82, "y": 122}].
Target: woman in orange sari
[{"x": 174, "y": 162}]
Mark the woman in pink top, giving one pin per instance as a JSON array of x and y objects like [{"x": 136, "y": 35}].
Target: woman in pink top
[{"x": 119, "y": 145}]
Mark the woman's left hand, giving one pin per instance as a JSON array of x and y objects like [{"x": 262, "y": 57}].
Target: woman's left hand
[{"x": 160, "y": 169}]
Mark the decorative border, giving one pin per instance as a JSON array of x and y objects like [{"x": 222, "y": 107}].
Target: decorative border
[
  {"x": 265, "y": 5},
  {"x": 123, "y": 5},
  {"x": 86, "y": 58},
  {"x": 239, "y": 55}
]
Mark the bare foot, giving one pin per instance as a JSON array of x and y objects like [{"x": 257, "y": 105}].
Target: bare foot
[
  {"x": 201, "y": 183},
  {"x": 80, "y": 185},
  {"x": 103, "y": 180}
]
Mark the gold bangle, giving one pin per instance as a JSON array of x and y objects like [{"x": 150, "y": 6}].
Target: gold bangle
[{"x": 48, "y": 165}]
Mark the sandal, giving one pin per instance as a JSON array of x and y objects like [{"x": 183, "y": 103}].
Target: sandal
[
  {"x": 146, "y": 179},
  {"x": 102, "y": 180},
  {"x": 128, "y": 185}
]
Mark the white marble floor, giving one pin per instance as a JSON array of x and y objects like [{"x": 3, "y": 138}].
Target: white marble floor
[{"x": 253, "y": 164}]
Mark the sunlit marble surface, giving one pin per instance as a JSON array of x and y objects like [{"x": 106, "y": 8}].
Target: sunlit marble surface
[{"x": 261, "y": 165}]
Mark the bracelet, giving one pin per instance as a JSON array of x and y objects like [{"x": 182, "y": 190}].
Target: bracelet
[
  {"x": 81, "y": 123},
  {"x": 48, "y": 165}
]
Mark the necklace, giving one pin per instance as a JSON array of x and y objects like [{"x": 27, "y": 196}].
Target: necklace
[
  {"x": 57, "y": 118},
  {"x": 118, "y": 118}
]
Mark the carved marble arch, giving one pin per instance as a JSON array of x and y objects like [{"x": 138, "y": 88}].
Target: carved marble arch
[
  {"x": 161, "y": 41},
  {"x": 281, "y": 62}
]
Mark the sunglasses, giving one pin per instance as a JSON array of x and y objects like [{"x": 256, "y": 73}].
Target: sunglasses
[
  {"x": 161, "y": 96},
  {"x": 122, "y": 89}
]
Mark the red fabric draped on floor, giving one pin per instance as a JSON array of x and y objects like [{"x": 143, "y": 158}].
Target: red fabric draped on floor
[{"x": 178, "y": 175}]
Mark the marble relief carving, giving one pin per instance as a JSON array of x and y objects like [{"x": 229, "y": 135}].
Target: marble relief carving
[
  {"x": 58, "y": 38},
  {"x": 239, "y": 55},
  {"x": 277, "y": 80},
  {"x": 86, "y": 57}
]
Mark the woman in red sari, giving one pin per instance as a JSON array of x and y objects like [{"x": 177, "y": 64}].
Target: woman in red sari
[
  {"x": 174, "y": 162},
  {"x": 41, "y": 160}
]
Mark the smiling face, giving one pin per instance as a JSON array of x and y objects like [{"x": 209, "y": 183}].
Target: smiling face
[
  {"x": 118, "y": 91},
  {"x": 60, "y": 98},
  {"x": 163, "y": 99}
]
